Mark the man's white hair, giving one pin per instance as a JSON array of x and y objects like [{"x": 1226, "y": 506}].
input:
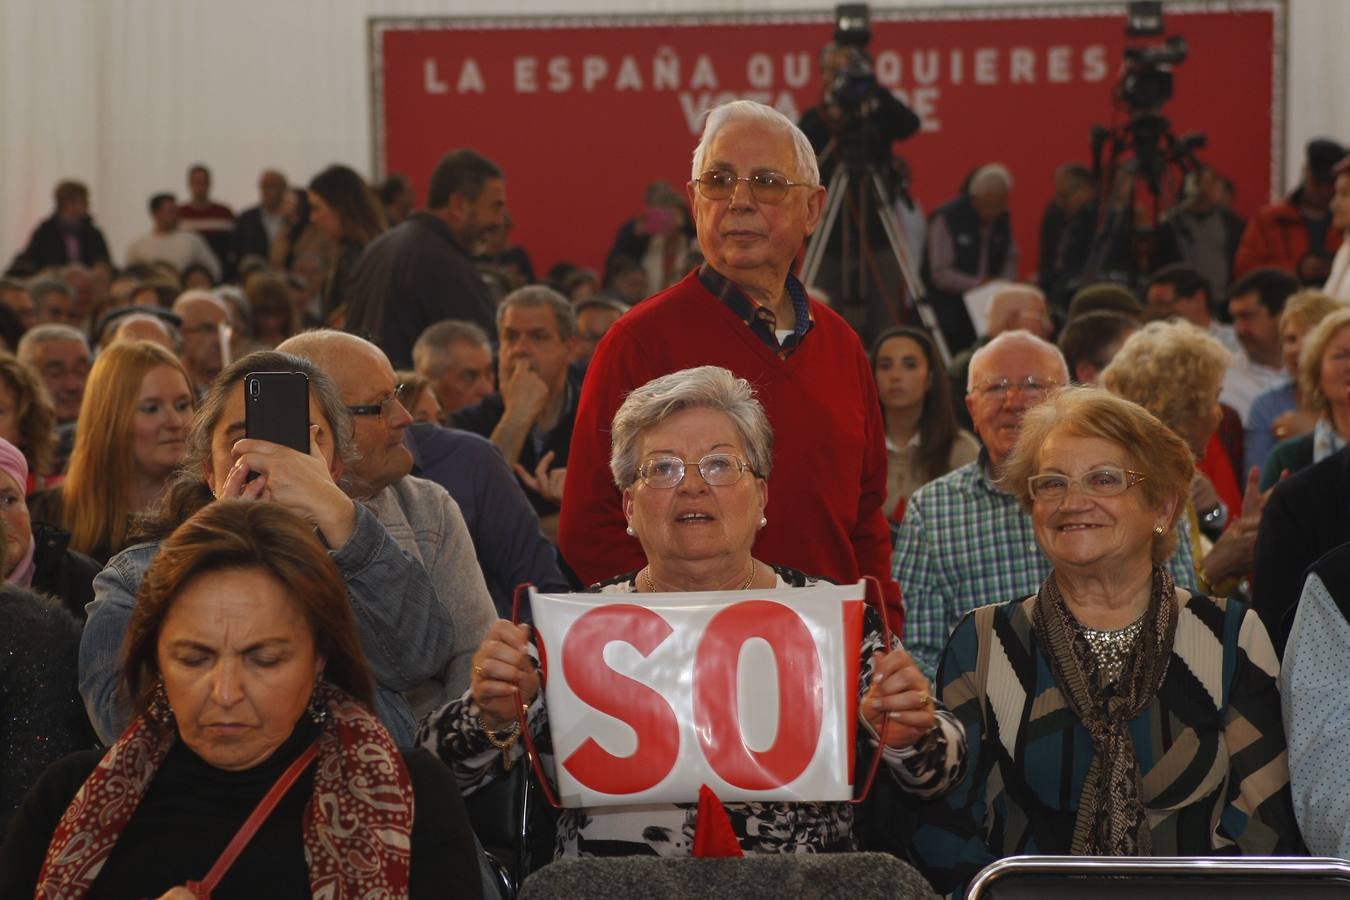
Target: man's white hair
[
  {"x": 750, "y": 111},
  {"x": 993, "y": 177},
  {"x": 1017, "y": 337}
]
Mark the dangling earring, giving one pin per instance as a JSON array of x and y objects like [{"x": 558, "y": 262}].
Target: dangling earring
[
  {"x": 316, "y": 709},
  {"x": 631, "y": 532},
  {"x": 763, "y": 521},
  {"x": 159, "y": 709}
]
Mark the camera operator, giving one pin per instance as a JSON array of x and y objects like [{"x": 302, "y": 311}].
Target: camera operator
[{"x": 856, "y": 123}]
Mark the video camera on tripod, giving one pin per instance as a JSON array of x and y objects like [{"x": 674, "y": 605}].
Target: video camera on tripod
[{"x": 1143, "y": 149}]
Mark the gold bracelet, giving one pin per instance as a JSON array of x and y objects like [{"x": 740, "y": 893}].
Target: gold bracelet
[{"x": 504, "y": 744}]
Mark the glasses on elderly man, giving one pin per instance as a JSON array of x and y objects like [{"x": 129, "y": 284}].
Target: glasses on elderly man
[
  {"x": 1106, "y": 481},
  {"x": 716, "y": 469},
  {"x": 1031, "y": 388},
  {"x": 384, "y": 408},
  {"x": 765, "y": 187}
]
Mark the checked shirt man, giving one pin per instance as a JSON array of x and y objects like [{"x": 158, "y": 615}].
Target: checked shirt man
[{"x": 964, "y": 542}]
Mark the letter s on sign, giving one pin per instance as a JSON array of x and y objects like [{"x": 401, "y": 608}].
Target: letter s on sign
[
  {"x": 632, "y": 702},
  {"x": 800, "y": 695}
]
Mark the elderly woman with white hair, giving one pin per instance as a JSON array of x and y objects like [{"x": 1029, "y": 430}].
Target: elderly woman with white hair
[
  {"x": 970, "y": 242},
  {"x": 691, "y": 453},
  {"x": 1175, "y": 371}
]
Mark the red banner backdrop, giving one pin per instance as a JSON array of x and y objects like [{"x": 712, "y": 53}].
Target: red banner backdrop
[{"x": 582, "y": 113}]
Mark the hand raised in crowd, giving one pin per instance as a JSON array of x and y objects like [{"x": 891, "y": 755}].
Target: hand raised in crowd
[
  {"x": 524, "y": 393},
  {"x": 299, "y": 481},
  {"x": 546, "y": 482},
  {"x": 1235, "y": 550},
  {"x": 898, "y": 705},
  {"x": 504, "y": 676}
]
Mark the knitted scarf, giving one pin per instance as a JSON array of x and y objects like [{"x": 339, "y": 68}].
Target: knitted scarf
[
  {"x": 357, "y": 825},
  {"x": 1111, "y": 819}
]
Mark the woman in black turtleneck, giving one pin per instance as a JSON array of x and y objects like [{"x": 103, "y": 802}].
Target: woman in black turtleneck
[{"x": 243, "y": 660}]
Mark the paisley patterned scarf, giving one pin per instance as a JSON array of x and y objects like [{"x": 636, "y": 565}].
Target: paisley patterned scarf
[{"x": 357, "y": 825}]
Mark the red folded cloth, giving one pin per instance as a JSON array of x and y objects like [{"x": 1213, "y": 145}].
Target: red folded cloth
[{"x": 713, "y": 834}]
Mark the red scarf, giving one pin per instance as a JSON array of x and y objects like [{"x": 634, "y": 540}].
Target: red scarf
[{"x": 357, "y": 825}]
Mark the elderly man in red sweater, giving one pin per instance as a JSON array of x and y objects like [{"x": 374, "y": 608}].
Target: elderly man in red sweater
[{"x": 756, "y": 195}]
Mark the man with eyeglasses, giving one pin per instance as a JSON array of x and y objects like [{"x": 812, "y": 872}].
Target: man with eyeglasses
[
  {"x": 755, "y": 194},
  {"x": 419, "y": 514},
  {"x": 202, "y": 314},
  {"x": 965, "y": 541}
]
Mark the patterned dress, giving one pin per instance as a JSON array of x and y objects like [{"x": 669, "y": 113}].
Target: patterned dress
[
  {"x": 927, "y": 769},
  {"x": 1211, "y": 748}
]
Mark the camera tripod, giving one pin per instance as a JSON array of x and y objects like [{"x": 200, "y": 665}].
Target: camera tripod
[
  {"x": 857, "y": 261},
  {"x": 1146, "y": 152}
]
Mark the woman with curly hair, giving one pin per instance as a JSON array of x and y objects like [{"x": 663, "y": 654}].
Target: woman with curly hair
[{"x": 1175, "y": 371}]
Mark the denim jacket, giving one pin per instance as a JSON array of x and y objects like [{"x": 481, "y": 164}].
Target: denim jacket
[{"x": 405, "y": 631}]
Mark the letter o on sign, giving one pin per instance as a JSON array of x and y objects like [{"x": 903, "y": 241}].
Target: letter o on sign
[{"x": 800, "y": 699}]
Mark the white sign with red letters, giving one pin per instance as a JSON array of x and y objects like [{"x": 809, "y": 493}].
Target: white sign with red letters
[{"x": 753, "y": 693}]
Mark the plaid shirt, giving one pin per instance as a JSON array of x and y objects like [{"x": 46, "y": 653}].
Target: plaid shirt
[
  {"x": 964, "y": 543},
  {"x": 758, "y": 318}
]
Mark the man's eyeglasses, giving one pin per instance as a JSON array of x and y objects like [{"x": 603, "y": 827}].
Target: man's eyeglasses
[
  {"x": 1032, "y": 389},
  {"x": 765, "y": 187},
  {"x": 1107, "y": 481},
  {"x": 384, "y": 408},
  {"x": 718, "y": 469}
]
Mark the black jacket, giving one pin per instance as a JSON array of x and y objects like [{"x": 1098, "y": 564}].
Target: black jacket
[
  {"x": 410, "y": 277},
  {"x": 250, "y": 235},
  {"x": 60, "y": 572},
  {"x": 1307, "y": 516},
  {"x": 47, "y": 247}
]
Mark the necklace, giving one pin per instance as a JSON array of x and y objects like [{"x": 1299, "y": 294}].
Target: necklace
[{"x": 651, "y": 587}]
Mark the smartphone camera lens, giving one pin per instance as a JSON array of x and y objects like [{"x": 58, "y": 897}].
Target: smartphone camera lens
[{"x": 253, "y": 388}]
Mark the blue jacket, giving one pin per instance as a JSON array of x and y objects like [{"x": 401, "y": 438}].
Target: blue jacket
[{"x": 510, "y": 547}]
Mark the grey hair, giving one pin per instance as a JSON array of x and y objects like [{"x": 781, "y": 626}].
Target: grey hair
[
  {"x": 43, "y": 288},
  {"x": 704, "y": 387},
  {"x": 750, "y": 111},
  {"x": 535, "y": 295},
  {"x": 1019, "y": 336},
  {"x": 993, "y": 177},
  {"x": 46, "y": 334},
  {"x": 429, "y": 351}
]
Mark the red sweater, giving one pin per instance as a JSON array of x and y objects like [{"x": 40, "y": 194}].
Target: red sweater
[{"x": 829, "y": 457}]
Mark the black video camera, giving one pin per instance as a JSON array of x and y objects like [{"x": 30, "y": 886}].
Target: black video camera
[
  {"x": 854, "y": 82},
  {"x": 1146, "y": 83}
]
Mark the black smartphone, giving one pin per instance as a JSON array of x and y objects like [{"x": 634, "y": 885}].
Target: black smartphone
[{"x": 276, "y": 408}]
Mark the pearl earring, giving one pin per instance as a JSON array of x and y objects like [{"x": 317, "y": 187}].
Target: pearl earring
[
  {"x": 631, "y": 532},
  {"x": 763, "y": 521}
]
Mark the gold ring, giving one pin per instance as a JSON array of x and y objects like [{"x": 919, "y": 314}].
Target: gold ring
[
  {"x": 478, "y": 670},
  {"x": 923, "y": 700}
]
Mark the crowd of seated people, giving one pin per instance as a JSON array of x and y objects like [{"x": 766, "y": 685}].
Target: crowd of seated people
[{"x": 1110, "y": 614}]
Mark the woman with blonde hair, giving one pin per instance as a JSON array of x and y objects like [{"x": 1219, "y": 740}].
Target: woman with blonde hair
[
  {"x": 137, "y": 406},
  {"x": 1280, "y": 412},
  {"x": 27, "y": 419},
  {"x": 1175, "y": 371},
  {"x": 1323, "y": 382}
]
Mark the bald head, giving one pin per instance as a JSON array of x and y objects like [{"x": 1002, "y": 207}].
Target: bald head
[
  {"x": 330, "y": 350},
  {"x": 366, "y": 383},
  {"x": 1019, "y": 307},
  {"x": 144, "y": 327}
]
